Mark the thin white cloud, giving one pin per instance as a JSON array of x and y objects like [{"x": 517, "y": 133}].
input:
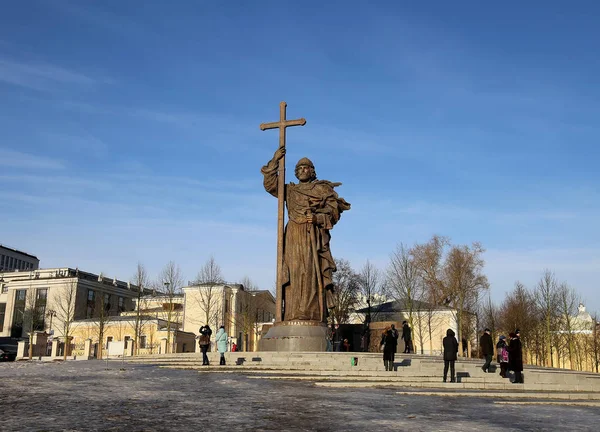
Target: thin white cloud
[
  {"x": 89, "y": 144},
  {"x": 579, "y": 267},
  {"x": 41, "y": 76},
  {"x": 451, "y": 211},
  {"x": 14, "y": 159},
  {"x": 61, "y": 183},
  {"x": 536, "y": 260}
]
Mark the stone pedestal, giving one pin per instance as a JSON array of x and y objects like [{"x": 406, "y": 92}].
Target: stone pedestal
[
  {"x": 66, "y": 345},
  {"x": 295, "y": 336},
  {"x": 40, "y": 341},
  {"x": 87, "y": 350},
  {"x": 22, "y": 347},
  {"x": 129, "y": 349},
  {"x": 55, "y": 344}
]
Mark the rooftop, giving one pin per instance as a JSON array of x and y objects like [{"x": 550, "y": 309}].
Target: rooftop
[
  {"x": 17, "y": 251},
  {"x": 401, "y": 306}
]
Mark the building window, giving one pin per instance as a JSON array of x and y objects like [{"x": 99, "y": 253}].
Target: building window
[
  {"x": 91, "y": 300},
  {"x": 18, "y": 314},
  {"x": 106, "y": 299},
  {"x": 108, "y": 340},
  {"x": 121, "y": 304},
  {"x": 142, "y": 341},
  {"x": 40, "y": 308},
  {"x": 10, "y": 264},
  {"x": 2, "y": 313}
]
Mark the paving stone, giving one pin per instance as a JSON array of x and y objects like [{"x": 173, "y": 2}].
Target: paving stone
[{"x": 84, "y": 396}]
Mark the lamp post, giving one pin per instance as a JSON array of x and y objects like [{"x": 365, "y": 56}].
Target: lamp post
[{"x": 51, "y": 313}]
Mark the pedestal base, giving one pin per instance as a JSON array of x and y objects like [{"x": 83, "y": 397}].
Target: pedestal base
[{"x": 294, "y": 336}]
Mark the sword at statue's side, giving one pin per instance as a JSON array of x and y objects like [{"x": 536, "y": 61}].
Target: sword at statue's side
[
  {"x": 282, "y": 124},
  {"x": 315, "y": 254}
]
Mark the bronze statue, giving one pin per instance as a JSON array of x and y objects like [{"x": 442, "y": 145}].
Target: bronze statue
[{"x": 305, "y": 282}]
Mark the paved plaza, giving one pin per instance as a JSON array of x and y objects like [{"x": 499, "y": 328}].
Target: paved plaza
[{"x": 86, "y": 396}]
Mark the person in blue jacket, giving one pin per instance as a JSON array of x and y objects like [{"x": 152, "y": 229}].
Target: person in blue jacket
[{"x": 221, "y": 339}]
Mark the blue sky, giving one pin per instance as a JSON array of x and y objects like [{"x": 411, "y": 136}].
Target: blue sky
[{"x": 130, "y": 131}]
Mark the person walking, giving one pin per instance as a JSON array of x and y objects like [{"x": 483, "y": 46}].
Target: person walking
[
  {"x": 204, "y": 342},
  {"x": 389, "y": 343},
  {"x": 487, "y": 349},
  {"x": 450, "y": 353},
  {"x": 221, "y": 340},
  {"x": 502, "y": 355},
  {"x": 407, "y": 337},
  {"x": 515, "y": 357},
  {"x": 395, "y": 335}
]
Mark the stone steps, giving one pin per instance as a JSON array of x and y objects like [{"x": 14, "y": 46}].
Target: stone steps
[{"x": 410, "y": 370}]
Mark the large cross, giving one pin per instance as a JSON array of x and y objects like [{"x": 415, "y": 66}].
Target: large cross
[{"x": 282, "y": 124}]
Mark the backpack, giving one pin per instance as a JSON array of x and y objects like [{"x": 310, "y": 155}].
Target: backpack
[
  {"x": 504, "y": 355},
  {"x": 204, "y": 340}
]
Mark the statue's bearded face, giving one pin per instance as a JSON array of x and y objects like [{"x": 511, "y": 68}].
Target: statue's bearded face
[{"x": 305, "y": 173}]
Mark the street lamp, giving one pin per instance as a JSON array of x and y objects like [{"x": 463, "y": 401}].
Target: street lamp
[{"x": 51, "y": 313}]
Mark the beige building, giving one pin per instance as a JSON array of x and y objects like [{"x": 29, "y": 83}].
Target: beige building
[
  {"x": 429, "y": 324},
  {"x": 576, "y": 346},
  {"x": 157, "y": 306},
  {"x": 43, "y": 300},
  {"x": 118, "y": 334},
  {"x": 16, "y": 260},
  {"x": 242, "y": 312}
]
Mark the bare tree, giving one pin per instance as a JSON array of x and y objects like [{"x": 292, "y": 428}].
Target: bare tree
[
  {"x": 403, "y": 282},
  {"x": 370, "y": 287},
  {"x": 102, "y": 318},
  {"x": 248, "y": 284},
  {"x": 33, "y": 313},
  {"x": 370, "y": 290},
  {"x": 64, "y": 308},
  {"x": 428, "y": 258},
  {"x": 251, "y": 311},
  {"x": 546, "y": 300},
  {"x": 519, "y": 311},
  {"x": 568, "y": 302},
  {"x": 346, "y": 285},
  {"x": 594, "y": 344},
  {"x": 490, "y": 316},
  {"x": 465, "y": 282},
  {"x": 141, "y": 281},
  {"x": 172, "y": 280},
  {"x": 210, "y": 297}
]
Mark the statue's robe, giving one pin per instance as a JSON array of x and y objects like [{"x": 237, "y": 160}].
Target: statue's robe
[{"x": 300, "y": 286}]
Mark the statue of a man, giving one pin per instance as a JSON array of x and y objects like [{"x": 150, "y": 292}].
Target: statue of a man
[{"x": 313, "y": 209}]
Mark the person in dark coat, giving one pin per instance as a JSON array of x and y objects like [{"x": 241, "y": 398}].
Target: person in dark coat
[
  {"x": 502, "y": 355},
  {"x": 450, "y": 353},
  {"x": 515, "y": 357},
  {"x": 389, "y": 350},
  {"x": 487, "y": 349},
  {"x": 407, "y": 337},
  {"x": 204, "y": 342}
]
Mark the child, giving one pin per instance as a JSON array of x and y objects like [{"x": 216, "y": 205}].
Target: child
[{"x": 502, "y": 355}]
